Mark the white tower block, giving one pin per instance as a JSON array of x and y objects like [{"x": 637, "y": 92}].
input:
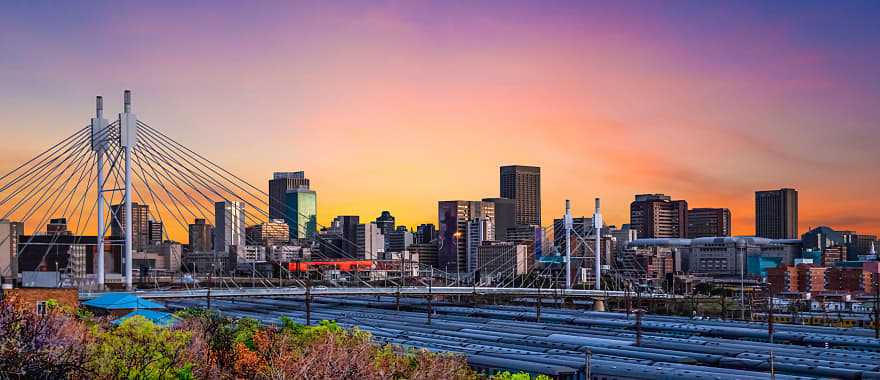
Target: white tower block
[
  {"x": 99, "y": 146},
  {"x": 127, "y": 139}
]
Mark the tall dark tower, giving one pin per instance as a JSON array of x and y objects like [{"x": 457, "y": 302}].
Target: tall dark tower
[
  {"x": 279, "y": 185},
  {"x": 776, "y": 214},
  {"x": 523, "y": 185}
]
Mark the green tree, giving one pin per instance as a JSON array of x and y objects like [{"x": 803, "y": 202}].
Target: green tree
[{"x": 138, "y": 349}]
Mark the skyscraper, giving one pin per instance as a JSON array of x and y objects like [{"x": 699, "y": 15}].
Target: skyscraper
[
  {"x": 140, "y": 224},
  {"x": 479, "y": 230},
  {"x": 425, "y": 233},
  {"x": 708, "y": 222},
  {"x": 370, "y": 241},
  {"x": 229, "y": 219},
  {"x": 505, "y": 216},
  {"x": 201, "y": 236},
  {"x": 453, "y": 217},
  {"x": 301, "y": 213},
  {"x": 347, "y": 228},
  {"x": 523, "y": 185},
  {"x": 398, "y": 240},
  {"x": 776, "y": 214},
  {"x": 156, "y": 232},
  {"x": 385, "y": 222},
  {"x": 658, "y": 216},
  {"x": 279, "y": 185}
]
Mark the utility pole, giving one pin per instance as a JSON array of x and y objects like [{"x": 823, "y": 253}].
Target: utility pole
[
  {"x": 638, "y": 327},
  {"x": 430, "y": 296},
  {"x": 589, "y": 364},
  {"x": 876, "y": 304},
  {"x": 99, "y": 146},
  {"x": 597, "y": 225},
  {"x": 568, "y": 223},
  {"x": 128, "y": 139},
  {"x": 770, "y": 314},
  {"x": 308, "y": 301},
  {"x": 772, "y": 366}
]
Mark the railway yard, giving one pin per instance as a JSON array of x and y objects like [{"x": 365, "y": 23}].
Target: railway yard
[{"x": 580, "y": 344}]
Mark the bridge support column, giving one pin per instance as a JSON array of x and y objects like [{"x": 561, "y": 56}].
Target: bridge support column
[
  {"x": 599, "y": 304},
  {"x": 99, "y": 146}
]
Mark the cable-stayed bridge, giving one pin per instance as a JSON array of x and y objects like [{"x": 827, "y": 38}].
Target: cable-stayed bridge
[{"x": 115, "y": 190}]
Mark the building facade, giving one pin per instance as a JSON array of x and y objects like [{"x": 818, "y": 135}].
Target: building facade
[
  {"x": 229, "y": 222},
  {"x": 140, "y": 224},
  {"x": 398, "y": 240},
  {"x": 370, "y": 241},
  {"x": 523, "y": 185},
  {"x": 658, "y": 216},
  {"x": 776, "y": 214},
  {"x": 453, "y": 217},
  {"x": 273, "y": 232},
  {"x": 279, "y": 185},
  {"x": 201, "y": 236},
  {"x": 301, "y": 213},
  {"x": 505, "y": 216},
  {"x": 708, "y": 222}
]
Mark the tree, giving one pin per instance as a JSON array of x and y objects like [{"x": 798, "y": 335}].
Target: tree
[
  {"x": 52, "y": 345},
  {"x": 138, "y": 349}
]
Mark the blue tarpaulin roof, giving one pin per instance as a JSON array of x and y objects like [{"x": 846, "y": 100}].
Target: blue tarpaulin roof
[
  {"x": 160, "y": 318},
  {"x": 115, "y": 301}
]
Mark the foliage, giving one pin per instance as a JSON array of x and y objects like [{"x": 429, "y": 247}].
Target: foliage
[
  {"x": 48, "y": 346},
  {"x": 73, "y": 344},
  {"x": 517, "y": 376},
  {"x": 138, "y": 349}
]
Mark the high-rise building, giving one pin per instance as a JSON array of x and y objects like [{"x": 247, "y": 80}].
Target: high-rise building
[
  {"x": 347, "y": 228},
  {"x": 425, "y": 233},
  {"x": 708, "y": 222},
  {"x": 301, "y": 213},
  {"x": 279, "y": 185},
  {"x": 57, "y": 226},
  {"x": 155, "y": 234},
  {"x": 9, "y": 235},
  {"x": 370, "y": 240},
  {"x": 479, "y": 230},
  {"x": 505, "y": 216},
  {"x": 453, "y": 217},
  {"x": 385, "y": 222},
  {"x": 581, "y": 229},
  {"x": 523, "y": 185},
  {"x": 201, "y": 236},
  {"x": 658, "y": 216},
  {"x": 501, "y": 260},
  {"x": 398, "y": 240},
  {"x": 229, "y": 222},
  {"x": 140, "y": 224},
  {"x": 425, "y": 253},
  {"x": 273, "y": 232},
  {"x": 776, "y": 214}
]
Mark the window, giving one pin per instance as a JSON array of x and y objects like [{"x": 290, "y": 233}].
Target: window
[{"x": 41, "y": 307}]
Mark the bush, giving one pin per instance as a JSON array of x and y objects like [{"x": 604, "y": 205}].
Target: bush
[
  {"x": 138, "y": 349},
  {"x": 72, "y": 344}
]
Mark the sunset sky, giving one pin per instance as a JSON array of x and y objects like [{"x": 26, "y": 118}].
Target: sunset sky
[{"x": 398, "y": 104}]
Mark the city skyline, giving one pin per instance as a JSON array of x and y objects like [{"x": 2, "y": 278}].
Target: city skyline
[{"x": 766, "y": 100}]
